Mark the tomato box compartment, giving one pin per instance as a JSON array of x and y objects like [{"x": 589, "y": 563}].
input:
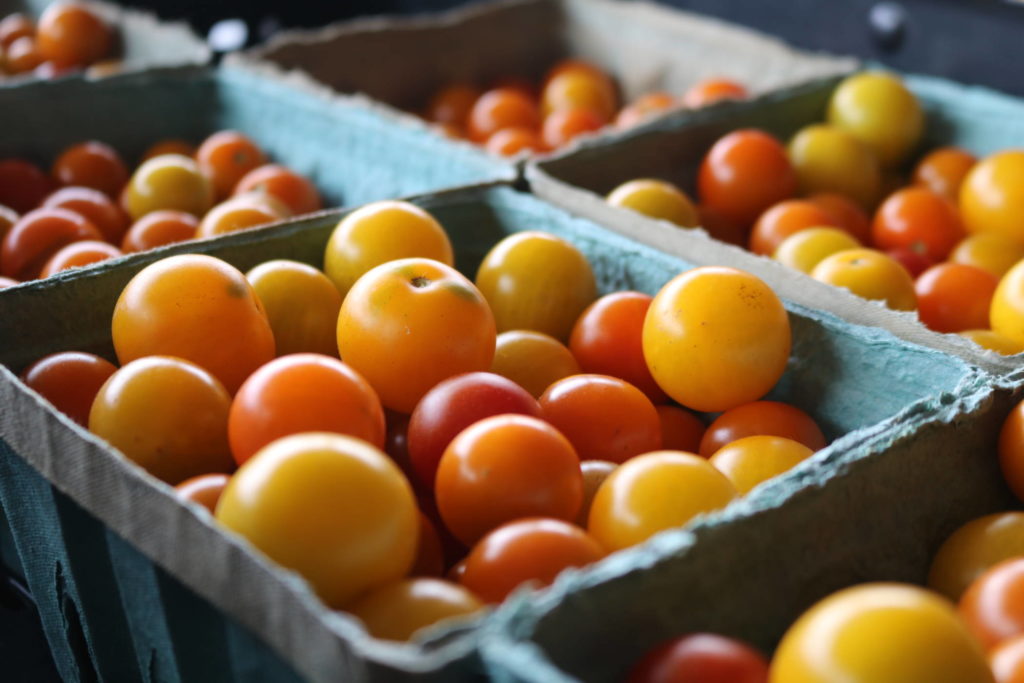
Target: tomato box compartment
[
  {"x": 671, "y": 148},
  {"x": 109, "y": 552}
]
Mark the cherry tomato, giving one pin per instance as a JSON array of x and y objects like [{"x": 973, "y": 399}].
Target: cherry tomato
[
  {"x": 8, "y": 217},
  {"x": 536, "y": 281},
  {"x": 69, "y": 380},
  {"x": 170, "y": 146},
  {"x": 22, "y": 185},
  {"x": 37, "y": 236},
  {"x": 846, "y": 214},
  {"x": 736, "y": 333},
  {"x": 1007, "y": 313},
  {"x": 878, "y": 110},
  {"x": 943, "y": 171},
  {"x": 988, "y": 251},
  {"x": 1011, "y": 450},
  {"x": 533, "y": 360},
  {"x": 914, "y": 262},
  {"x": 712, "y": 90},
  {"x": 169, "y": 182},
  {"x": 225, "y": 157},
  {"x": 645, "y": 107},
  {"x": 452, "y": 104},
  {"x": 1007, "y": 661},
  {"x": 594, "y": 474},
  {"x": 524, "y": 551},
  {"x": 167, "y": 415},
  {"x": 499, "y": 109},
  {"x": 879, "y": 632},
  {"x": 654, "y": 492},
  {"x": 94, "y": 206},
  {"x": 562, "y": 126},
  {"x": 396, "y": 611},
  {"x": 429, "y": 553},
  {"x": 198, "y": 308},
  {"x": 973, "y": 548},
  {"x": 753, "y": 460},
  {"x": 783, "y": 220},
  {"x": 23, "y": 56},
  {"x": 580, "y": 88},
  {"x": 807, "y": 248},
  {"x": 298, "y": 193},
  {"x": 158, "y": 229},
  {"x": 511, "y": 141},
  {"x": 70, "y": 34},
  {"x": 869, "y": 274},
  {"x": 657, "y": 199},
  {"x": 987, "y": 339},
  {"x": 993, "y": 606},
  {"x": 503, "y": 468},
  {"x": 238, "y": 213},
  {"x": 301, "y": 304},
  {"x": 952, "y": 297},
  {"x": 204, "y": 489},
  {"x": 356, "y": 511},
  {"x": 917, "y": 218},
  {"x": 722, "y": 228},
  {"x": 681, "y": 430},
  {"x": 455, "y": 404},
  {"x": 704, "y": 657},
  {"x": 762, "y": 418},
  {"x": 14, "y": 26},
  {"x": 743, "y": 174},
  {"x": 827, "y": 159},
  {"x": 91, "y": 164},
  {"x": 992, "y": 195},
  {"x": 78, "y": 254}
]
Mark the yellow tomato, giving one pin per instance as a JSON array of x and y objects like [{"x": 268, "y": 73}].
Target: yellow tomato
[
  {"x": 974, "y": 548},
  {"x": 332, "y": 508},
  {"x": 880, "y": 632},
  {"x": 988, "y": 251},
  {"x": 235, "y": 214},
  {"x": 752, "y": 460},
  {"x": 657, "y": 199},
  {"x": 170, "y": 181},
  {"x": 992, "y": 196},
  {"x": 533, "y": 360},
  {"x": 993, "y": 341},
  {"x": 398, "y": 610},
  {"x": 301, "y": 304},
  {"x": 1006, "y": 315},
  {"x": 877, "y": 109},
  {"x": 715, "y": 338},
  {"x": 809, "y": 247},
  {"x": 827, "y": 159},
  {"x": 869, "y": 274},
  {"x": 381, "y": 232}
]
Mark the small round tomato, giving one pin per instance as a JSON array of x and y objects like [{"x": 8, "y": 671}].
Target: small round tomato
[
  {"x": 96, "y": 207},
  {"x": 992, "y": 195},
  {"x": 644, "y": 108},
  {"x": 198, "y": 308},
  {"x": 536, "y": 281},
  {"x": 533, "y": 360},
  {"x": 158, "y": 229},
  {"x": 943, "y": 171},
  {"x": 562, "y": 126},
  {"x": 736, "y": 333},
  {"x": 167, "y": 415},
  {"x": 37, "y": 236},
  {"x": 846, "y": 214},
  {"x": 91, "y": 164},
  {"x": 1011, "y": 450},
  {"x": 952, "y": 297},
  {"x": 712, "y": 90},
  {"x": 356, "y": 512},
  {"x": 204, "y": 489},
  {"x": 170, "y": 146},
  {"x": 762, "y": 418},
  {"x": 453, "y": 405},
  {"x": 225, "y": 157},
  {"x": 23, "y": 56},
  {"x": 238, "y": 213},
  {"x": 509, "y": 142},
  {"x": 881, "y": 112},
  {"x": 919, "y": 219},
  {"x": 13, "y": 26},
  {"x": 681, "y": 430},
  {"x": 452, "y": 104},
  {"x": 784, "y": 220},
  {"x": 594, "y": 474},
  {"x": 914, "y": 262},
  {"x": 298, "y": 193},
  {"x": 381, "y": 232},
  {"x": 70, "y": 381},
  {"x": 503, "y": 468},
  {"x": 704, "y": 657},
  {"x": 429, "y": 553},
  {"x": 879, "y": 632},
  {"x": 1007, "y": 313},
  {"x": 603, "y": 417},
  {"x": 752, "y": 460},
  {"x": 1007, "y": 660},
  {"x": 169, "y": 182},
  {"x": 722, "y": 228},
  {"x": 22, "y": 185},
  {"x": 8, "y": 217},
  {"x": 70, "y": 34},
  {"x": 301, "y": 304},
  {"x": 993, "y": 341},
  {"x": 828, "y": 159},
  {"x": 78, "y": 254},
  {"x": 988, "y": 251},
  {"x": 807, "y": 248},
  {"x": 388, "y": 329},
  {"x": 973, "y": 548},
  {"x": 656, "y": 199},
  {"x": 993, "y": 606},
  {"x": 654, "y": 492},
  {"x": 531, "y": 551},
  {"x": 498, "y": 109},
  {"x": 743, "y": 174},
  {"x": 580, "y": 88},
  {"x": 396, "y": 611},
  {"x": 869, "y": 274}
]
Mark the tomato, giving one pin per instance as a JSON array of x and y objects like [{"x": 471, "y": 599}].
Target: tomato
[
  {"x": 830, "y": 160},
  {"x": 225, "y": 157},
  {"x": 704, "y": 657},
  {"x": 533, "y": 360},
  {"x": 91, "y": 164},
  {"x": 536, "y": 281},
  {"x": 914, "y": 262},
  {"x": 204, "y": 489},
  {"x": 356, "y": 512},
  {"x": 987, "y": 339},
  {"x": 534, "y": 551},
  {"x": 752, "y": 460},
  {"x": 169, "y": 146},
  {"x": 169, "y": 182},
  {"x": 1011, "y": 450},
  {"x": 96, "y": 207},
  {"x": 452, "y": 104},
  {"x": 37, "y": 236},
  {"x": 988, "y": 251},
  {"x": 656, "y": 199},
  {"x": 919, "y": 219},
  {"x": 993, "y": 606},
  {"x": 79, "y": 254},
  {"x": 712, "y": 90},
  {"x": 807, "y": 248},
  {"x": 580, "y": 88},
  {"x": 645, "y": 107},
  {"x": 846, "y": 214},
  {"x": 503, "y": 468},
  {"x": 973, "y": 548},
  {"x": 879, "y": 632},
  {"x": 594, "y": 474},
  {"x": 952, "y": 297},
  {"x": 736, "y": 333},
  {"x": 722, "y": 228},
  {"x": 499, "y": 109},
  {"x": 1007, "y": 661},
  {"x": 239, "y": 213},
  {"x": 22, "y": 185},
  {"x": 654, "y": 492},
  {"x": 762, "y": 418},
  {"x": 296, "y": 192},
  {"x": 198, "y": 308},
  {"x": 396, "y": 611},
  {"x": 167, "y": 415},
  {"x": 158, "y": 229},
  {"x": 992, "y": 195},
  {"x": 70, "y": 34},
  {"x": 69, "y": 380},
  {"x": 603, "y": 417},
  {"x": 453, "y": 405},
  {"x": 512, "y": 141},
  {"x": 784, "y": 220},
  {"x": 429, "y": 553},
  {"x": 1007, "y": 313},
  {"x": 8, "y": 217},
  {"x": 943, "y": 171},
  {"x": 23, "y": 56},
  {"x": 381, "y": 232},
  {"x": 681, "y": 430},
  {"x": 13, "y": 26},
  {"x": 388, "y": 329},
  {"x": 743, "y": 174},
  {"x": 878, "y": 110},
  {"x": 561, "y": 126},
  {"x": 301, "y": 305},
  {"x": 869, "y": 274}
]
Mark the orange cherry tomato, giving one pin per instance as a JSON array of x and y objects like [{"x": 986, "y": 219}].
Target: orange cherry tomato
[
  {"x": 1011, "y": 450},
  {"x": 681, "y": 430},
  {"x": 91, "y": 164},
  {"x": 1007, "y": 661},
  {"x": 14, "y": 26},
  {"x": 992, "y": 195},
  {"x": 993, "y": 606},
  {"x": 78, "y": 254},
  {"x": 302, "y": 306},
  {"x": 169, "y": 182},
  {"x": 158, "y": 229},
  {"x": 784, "y": 219},
  {"x": 532, "y": 550},
  {"x": 429, "y": 553},
  {"x": 644, "y": 108},
  {"x": 563, "y": 125},
  {"x": 37, "y": 236},
  {"x": 204, "y": 489},
  {"x": 509, "y": 142},
  {"x": 238, "y": 213},
  {"x": 580, "y": 86},
  {"x": 917, "y": 218},
  {"x": 713, "y": 90},
  {"x": 70, "y": 381},
  {"x": 752, "y": 460},
  {"x": 225, "y": 157},
  {"x": 23, "y": 56},
  {"x": 70, "y": 34},
  {"x": 22, "y": 185},
  {"x": 504, "y": 468},
  {"x": 722, "y": 228},
  {"x": 594, "y": 474},
  {"x": 869, "y": 274},
  {"x": 943, "y": 171},
  {"x": 397, "y": 611},
  {"x": 298, "y": 193},
  {"x": 743, "y": 174},
  {"x": 973, "y": 549},
  {"x": 452, "y": 104},
  {"x": 762, "y": 418},
  {"x": 988, "y": 251},
  {"x": 171, "y": 146},
  {"x": 96, "y": 207},
  {"x": 498, "y": 109},
  {"x": 198, "y": 308},
  {"x": 952, "y": 297},
  {"x": 846, "y": 214},
  {"x": 533, "y": 360}
]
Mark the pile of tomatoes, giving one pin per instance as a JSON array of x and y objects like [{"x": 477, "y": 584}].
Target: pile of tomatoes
[
  {"x": 393, "y": 422},
  {"x": 89, "y": 208},
  {"x": 942, "y": 238},
  {"x": 69, "y": 36},
  {"x": 575, "y": 97}
]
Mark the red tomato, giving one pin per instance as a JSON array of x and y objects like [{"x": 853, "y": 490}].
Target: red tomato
[
  {"x": 94, "y": 206},
  {"x": 993, "y": 606},
  {"x": 297, "y": 192},
  {"x": 917, "y": 218},
  {"x": 91, "y": 164},
  {"x": 70, "y": 381},
  {"x": 22, "y": 185},
  {"x": 703, "y": 658},
  {"x": 429, "y": 555},
  {"x": 952, "y": 297},
  {"x": 913, "y": 261},
  {"x": 681, "y": 430},
  {"x": 762, "y": 418},
  {"x": 77, "y": 255},
  {"x": 37, "y": 236},
  {"x": 846, "y": 214}
]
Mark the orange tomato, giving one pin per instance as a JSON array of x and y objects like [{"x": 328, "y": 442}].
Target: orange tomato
[
  {"x": 22, "y": 185},
  {"x": 499, "y": 109},
  {"x": 91, "y": 164},
  {"x": 712, "y": 90},
  {"x": 580, "y": 87},
  {"x": 869, "y": 274},
  {"x": 681, "y": 430},
  {"x": 302, "y": 306},
  {"x": 943, "y": 171},
  {"x": 993, "y": 606},
  {"x": 78, "y": 254},
  {"x": 846, "y": 214},
  {"x": 594, "y": 474},
  {"x": 508, "y": 142},
  {"x": 752, "y": 460},
  {"x": 159, "y": 228},
  {"x": 952, "y": 297},
  {"x": 762, "y": 418},
  {"x": 452, "y": 104},
  {"x": 238, "y": 213},
  {"x": 563, "y": 125},
  {"x": 8, "y": 218},
  {"x": 429, "y": 553},
  {"x": 397, "y": 611},
  {"x": 644, "y": 108},
  {"x": 204, "y": 489},
  {"x": 298, "y": 193},
  {"x": 974, "y": 548},
  {"x": 1007, "y": 660},
  {"x": 919, "y": 219},
  {"x": 533, "y": 360},
  {"x": 1011, "y": 450},
  {"x": 23, "y": 56},
  {"x": 784, "y": 219},
  {"x": 70, "y": 381},
  {"x": 225, "y": 157},
  {"x": 96, "y": 207},
  {"x": 37, "y": 236},
  {"x": 70, "y": 34},
  {"x": 13, "y": 26}
]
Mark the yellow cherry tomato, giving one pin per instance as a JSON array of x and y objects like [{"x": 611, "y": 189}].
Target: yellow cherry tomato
[
  {"x": 301, "y": 304},
  {"x": 715, "y": 338},
  {"x": 536, "y": 281},
  {"x": 869, "y": 274},
  {"x": 974, "y": 548},
  {"x": 381, "y": 232},
  {"x": 805, "y": 249},
  {"x": 167, "y": 415},
  {"x": 332, "y": 508},
  {"x": 880, "y": 632},
  {"x": 396, "y": 611},
  {"x": 1006, "y": 314},
  {"x": 827, "y": 159},
  {"x": 878, "y": 110},
  {"x": 533, "y": 360},
  {"x": 170, "y": 181},
  {"x": 238, "y": 213},
  {"x": 653, "y": 492},
  {"x": 992, "y": 196},
  {"x": 993, "y": 341},
  {"x": 752, "y": 460},
  {"x": 988, "y": 251},
  {"x": 657, "y": 199}
]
